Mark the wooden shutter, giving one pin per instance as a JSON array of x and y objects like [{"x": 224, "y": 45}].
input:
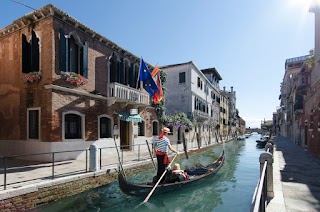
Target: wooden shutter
[
  {"x": 131, "y": 76},
  {"x": 26, "y": 55},
  {"x": 121, "y": 77},
  {"x": 62, "y": 52},
  {"x": 85, "y": 59},
  {"x": 34, "y": 53}
]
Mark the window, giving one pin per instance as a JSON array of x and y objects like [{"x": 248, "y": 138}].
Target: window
[
  {"x": 73, "y": 54},
  {"x": 33, "y": 123},
  {"x": 141, "y": 128},
  {"x": 199, "y": 82},
  {"x": 105, "y": 127},
  {"x": 30, "y": 54},
  {"x": 182, "y": 77},
  {"x": 155, "y": 128},
  {"x": 73, "y": 125},
  {"x": 171, "y": 130}
]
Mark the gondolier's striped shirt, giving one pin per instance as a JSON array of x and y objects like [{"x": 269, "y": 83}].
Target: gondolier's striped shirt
[{"x": 162, "y": 144}]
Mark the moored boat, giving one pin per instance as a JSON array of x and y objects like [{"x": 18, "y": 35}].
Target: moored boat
[{"x": 144, "y": 189}]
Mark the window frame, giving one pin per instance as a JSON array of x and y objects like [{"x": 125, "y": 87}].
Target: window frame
[
  {"x": 82, "y": 126},
  {"x": 182, "y": 77},
  {"x": 39, "y": 124},
  {"x": 112, "y": 124}
]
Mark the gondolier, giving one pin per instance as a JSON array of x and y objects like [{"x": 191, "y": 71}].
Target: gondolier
[{"x": 162, "y": 144}]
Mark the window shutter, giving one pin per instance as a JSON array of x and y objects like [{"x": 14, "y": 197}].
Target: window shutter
[
  {"x": 85, "y": 59},
  {"x": 25, "y": 55},
  {"x": 35, "y": 52},
  {"x": 131, "y": 76},
  {"x": 62, "y": 52},
  {"x": 122, "y": 75}
]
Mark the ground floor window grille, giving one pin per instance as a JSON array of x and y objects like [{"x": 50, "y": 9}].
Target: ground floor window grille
[
  {"x": 105, "y": 127},
  {"x": 73, "y": 126},
  {"x": 141, "y": 128}
]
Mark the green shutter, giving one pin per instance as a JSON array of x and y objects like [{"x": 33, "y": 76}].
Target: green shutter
[
  {"x": 85, "y": 59},
  {"x": 62, "y": 52}
]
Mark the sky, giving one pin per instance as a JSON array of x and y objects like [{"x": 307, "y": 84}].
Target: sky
[{"x": 247, "y": 41}]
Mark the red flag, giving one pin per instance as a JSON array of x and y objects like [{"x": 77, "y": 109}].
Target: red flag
[{"x": 158, "y": 96}]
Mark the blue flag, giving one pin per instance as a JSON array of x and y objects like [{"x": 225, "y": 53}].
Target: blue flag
[{"x": 145, "y": 76}]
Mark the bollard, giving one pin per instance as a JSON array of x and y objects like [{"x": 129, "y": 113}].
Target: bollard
[
  {"x": 270, "y": 146},
  {"x": 267, "y": 156},
  {"x": 93, "y": 158}
]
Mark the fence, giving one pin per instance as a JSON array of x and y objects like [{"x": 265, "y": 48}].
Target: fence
[
  {"x": 12, "y": 168},
  {"x": 264, "y": 188},
  {"x": 19, "y": 169}
]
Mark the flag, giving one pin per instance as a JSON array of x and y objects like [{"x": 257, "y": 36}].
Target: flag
[
  {"x": 148, "y": 83},
  {"x": 158, "y": 96}
]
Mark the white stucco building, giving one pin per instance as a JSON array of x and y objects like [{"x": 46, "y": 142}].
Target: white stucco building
[{"x": 196, "y": 93}]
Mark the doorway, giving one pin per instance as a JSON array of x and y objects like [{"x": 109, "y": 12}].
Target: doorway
[{"x": 124, "y": 135}]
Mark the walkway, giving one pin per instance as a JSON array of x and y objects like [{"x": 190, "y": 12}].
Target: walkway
[{"x": 296, "y": 178}]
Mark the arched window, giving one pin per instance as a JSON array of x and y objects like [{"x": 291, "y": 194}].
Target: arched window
[
  {"x": 105, "y": 128},
  {"x": 30, "y": 54},
  {"x": 73, "y": 54},
  {"x": 155, "y": 128}
]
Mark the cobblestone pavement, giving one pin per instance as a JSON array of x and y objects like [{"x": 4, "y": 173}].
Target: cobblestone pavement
[{"x": 296, "y": 178}]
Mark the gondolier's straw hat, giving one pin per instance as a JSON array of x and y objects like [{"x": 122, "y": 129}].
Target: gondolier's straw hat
[{"x": 165, "y": 129}]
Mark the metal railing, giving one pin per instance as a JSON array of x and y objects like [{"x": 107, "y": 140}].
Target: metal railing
[
  {"x": 15, "y": 169},
  {"x": 128, "y": 153},
  {"x": 264, "y": 188}
]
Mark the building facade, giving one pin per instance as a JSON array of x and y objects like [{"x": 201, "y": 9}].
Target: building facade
[
  {"x": 191, "y": 92},
  {"x": 67, "y": 87},
  {"x": 224, "y": 115},
  {"x": 232, "y": 113}
]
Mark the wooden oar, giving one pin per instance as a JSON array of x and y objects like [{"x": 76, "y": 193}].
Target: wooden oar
[
  {"x": 151, "y": 155},
  {"x": 155, "y": 186},
  {"x": 120, "y": 164}
]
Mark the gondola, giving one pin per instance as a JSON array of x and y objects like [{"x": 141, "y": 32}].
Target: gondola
[{"x": 144, "y": 189}]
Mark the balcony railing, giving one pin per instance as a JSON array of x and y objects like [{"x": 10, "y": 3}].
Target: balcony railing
[
  {"x": 198, "y": 114},
  {"x": 124, "y": 93}
]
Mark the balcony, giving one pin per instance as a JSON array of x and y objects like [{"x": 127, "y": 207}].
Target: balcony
[
  {"x": 122, "y": 93},
  {"x": 303, "y": 88},
  {"x": 200, "y": 116}
]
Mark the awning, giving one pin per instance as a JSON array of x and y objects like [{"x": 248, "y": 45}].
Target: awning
[{"x": 124, "y": 116}]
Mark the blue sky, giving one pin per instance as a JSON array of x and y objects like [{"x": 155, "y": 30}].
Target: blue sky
[{"x": 247, "y": 41}]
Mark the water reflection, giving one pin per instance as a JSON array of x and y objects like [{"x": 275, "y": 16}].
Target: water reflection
[{"x": 232, "y": 187}]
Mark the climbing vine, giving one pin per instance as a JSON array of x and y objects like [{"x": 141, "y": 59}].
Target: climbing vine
[{"x": 178, "y": 120}]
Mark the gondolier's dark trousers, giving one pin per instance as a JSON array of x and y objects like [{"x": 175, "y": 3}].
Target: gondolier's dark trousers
[{"x": 161, "y": 167}]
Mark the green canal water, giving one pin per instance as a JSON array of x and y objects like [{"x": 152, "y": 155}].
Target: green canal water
[{"x": 231, "y": 189}]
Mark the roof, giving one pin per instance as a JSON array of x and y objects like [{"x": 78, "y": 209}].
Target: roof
[
  {"x": 50, "y": 10},
  {"x": 213, "y": 71},
  {"x": 296, "y": 60},
  {"x": 175, "y": 65}
]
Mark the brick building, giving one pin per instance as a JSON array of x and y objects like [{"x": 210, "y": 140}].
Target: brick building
[{"x": 64, "y": 86}]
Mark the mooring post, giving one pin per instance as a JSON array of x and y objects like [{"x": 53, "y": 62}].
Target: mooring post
[
  {"x": 270, "y": 146},
  {"x": 267, "y": 156},
  {"x": 93, "y": 158}
]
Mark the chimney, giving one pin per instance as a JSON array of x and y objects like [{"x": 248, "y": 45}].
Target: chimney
[
  {"x": 224, "y": 88},
  {"x": 231, "y": 89}
]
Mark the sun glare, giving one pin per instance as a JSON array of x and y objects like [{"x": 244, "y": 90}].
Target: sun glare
[{"x": 305, "y": 4}]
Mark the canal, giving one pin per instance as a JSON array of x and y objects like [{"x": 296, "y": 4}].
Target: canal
[{"x": 231, "y": 189}]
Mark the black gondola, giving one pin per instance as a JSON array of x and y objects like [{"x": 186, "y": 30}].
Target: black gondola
[{"x": 144, "y": 189}]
